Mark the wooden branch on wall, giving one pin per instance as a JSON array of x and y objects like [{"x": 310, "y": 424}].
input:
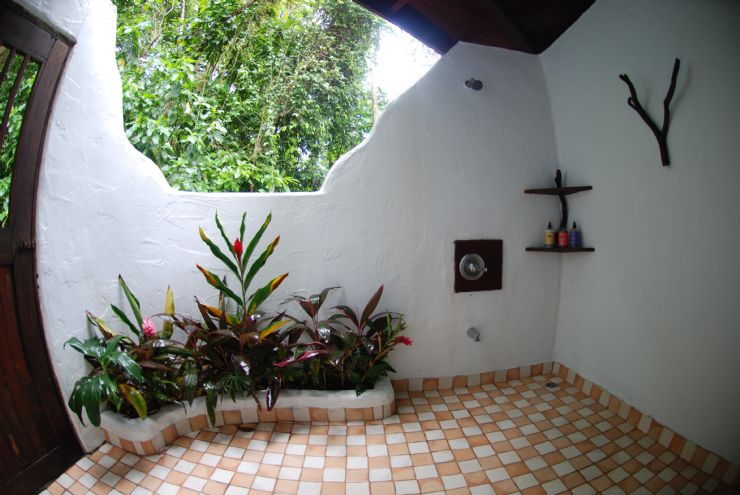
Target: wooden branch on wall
[{"x": 661, "y": 134}]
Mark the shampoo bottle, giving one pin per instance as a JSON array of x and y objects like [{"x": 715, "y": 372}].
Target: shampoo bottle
[
  {"x": 549, "y": 236},
  {"x": 574, "y": 236}
]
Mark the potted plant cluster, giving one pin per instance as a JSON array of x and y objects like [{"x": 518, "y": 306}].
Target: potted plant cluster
[{"x": 233, "y": 349}]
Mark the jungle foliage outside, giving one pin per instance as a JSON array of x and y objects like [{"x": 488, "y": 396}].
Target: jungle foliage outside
[{"x": 246, "y": 95}]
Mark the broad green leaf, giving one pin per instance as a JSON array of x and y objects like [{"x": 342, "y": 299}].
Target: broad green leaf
[
  {"x": 109, "y": 388},
  {"x": 169, "y": 309},
  {"x": 91, "y": 347},
  {"x": 190, "y": 382},
  {"x": 87, "y": 394},
  {"x": 134, "y": 397},
  {"x": 133, "y": 302},
  {"x": 112, "y": 344},
  {"x": 128, "y": 365}
]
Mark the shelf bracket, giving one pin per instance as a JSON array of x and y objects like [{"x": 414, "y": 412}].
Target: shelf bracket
[{"x": 563, "y": 202}]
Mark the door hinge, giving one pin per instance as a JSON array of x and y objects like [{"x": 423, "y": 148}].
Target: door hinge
[{"x": 26, "y": 245}]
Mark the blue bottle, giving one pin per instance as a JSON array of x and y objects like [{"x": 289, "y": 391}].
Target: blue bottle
[{"x": 574, "y": 236}]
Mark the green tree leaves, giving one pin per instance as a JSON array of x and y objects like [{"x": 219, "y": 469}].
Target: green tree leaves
[{"x": 243, "y": 95}]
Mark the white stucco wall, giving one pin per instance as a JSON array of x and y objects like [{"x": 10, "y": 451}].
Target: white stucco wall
[
  {"x": 653, "y": 314},
  {"x": 65, "y": 16},
  {"x": 443, "y": 163}
]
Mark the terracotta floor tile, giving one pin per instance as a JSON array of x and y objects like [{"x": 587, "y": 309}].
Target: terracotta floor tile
[{"x": 463, "y": 438}]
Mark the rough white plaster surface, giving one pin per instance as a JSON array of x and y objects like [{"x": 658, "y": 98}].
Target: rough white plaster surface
[
  {"x": 443, "y": 163},
  {"x": 65, "y": 16},
  {"x": 144, "y": 429},
  {"x": 653, "y": 314}
]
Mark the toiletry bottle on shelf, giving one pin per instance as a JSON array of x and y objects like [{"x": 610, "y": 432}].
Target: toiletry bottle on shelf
[
  {"x": 562, "y": 238},
  {"x": 574, "y": 236},
  {"x": 549, "y": 236}
]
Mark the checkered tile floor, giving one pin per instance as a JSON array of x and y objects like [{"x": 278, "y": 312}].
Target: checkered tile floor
[{"x": 515, "y": 437}]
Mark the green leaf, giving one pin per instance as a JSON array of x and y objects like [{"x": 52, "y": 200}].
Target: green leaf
[
  {"x": 130, "y": 366},
  {"x": 225, "y": 237},
  {"x": 261, "y": 294},
  {"x": 110, "y": 391},
  {"x": 211, "y": 400},
  {"x": 169, "y": 309},
  {"x": 100, "y": 324},
  {"x": 87, "y": 394},
  {"x": 219, "y": 254},
  {"x": 91, "y": 347},
  {"x": 122, "y": 316},
  {"x": 272, "y": 328},
  {"x": 190, "y": 382},
  {"x": 134, "y": 397},
  {"x": 260, "y": 262},
  {"x": 214, "y": 281},
  {"x": 133, "y": 302},
  {"x": 242, "y": 226},
  {"x": 112, "y": 344},
  {"x": 253, "y": 243}
]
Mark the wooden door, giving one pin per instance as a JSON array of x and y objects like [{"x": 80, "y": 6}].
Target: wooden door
[{"x": 37, "y": 442}]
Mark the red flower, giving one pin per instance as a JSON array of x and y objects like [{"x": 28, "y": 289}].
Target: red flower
[
  {"x": 403, "y": 340},
  {"x": 238, "y": 248}
]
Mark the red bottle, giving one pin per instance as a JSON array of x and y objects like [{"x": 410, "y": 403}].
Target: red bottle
[{"x": 562, "y": 238}]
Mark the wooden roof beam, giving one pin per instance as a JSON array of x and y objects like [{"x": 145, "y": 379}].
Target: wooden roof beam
[{"x": 509, "y": 26}]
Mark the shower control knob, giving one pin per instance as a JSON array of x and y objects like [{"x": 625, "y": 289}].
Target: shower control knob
[{"x": 472, "y": 266}]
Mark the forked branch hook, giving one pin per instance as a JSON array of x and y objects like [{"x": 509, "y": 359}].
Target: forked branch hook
[{"x": 661, "y": 134}]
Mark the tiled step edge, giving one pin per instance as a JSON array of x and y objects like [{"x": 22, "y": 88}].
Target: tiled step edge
[
  {"x": 151, "y": 435},
  {"x": 700, "y": 458},
  {"x": 461, "y": 381}
]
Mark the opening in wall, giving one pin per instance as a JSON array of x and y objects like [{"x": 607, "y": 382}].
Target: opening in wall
[{"x": 251, "y": 96}]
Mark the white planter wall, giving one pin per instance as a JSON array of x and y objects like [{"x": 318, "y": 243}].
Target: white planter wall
[{"x": 443, "y": 163}]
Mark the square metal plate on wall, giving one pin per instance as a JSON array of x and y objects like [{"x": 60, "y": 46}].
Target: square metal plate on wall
[{"x": 491, "y": 250}]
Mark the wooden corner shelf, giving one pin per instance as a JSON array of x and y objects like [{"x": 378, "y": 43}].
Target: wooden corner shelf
[
  {"x": 558, "y": 191},
  {"x": 543, "y": 249}
]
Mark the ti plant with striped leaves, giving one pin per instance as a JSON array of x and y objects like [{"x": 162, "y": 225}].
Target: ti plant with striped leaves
[{"x": 241, "y": 352}]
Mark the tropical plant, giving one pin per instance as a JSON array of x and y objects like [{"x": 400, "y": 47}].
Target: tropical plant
[
  {"x": 232, "y": 350},
  {"x": 134, "y": 377},
  {"x": 244, "y": 351},
  {"x": 355, "y": 347}
]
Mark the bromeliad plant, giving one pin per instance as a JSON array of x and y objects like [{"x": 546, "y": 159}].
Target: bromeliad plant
[{"x": 135, "y": 375}]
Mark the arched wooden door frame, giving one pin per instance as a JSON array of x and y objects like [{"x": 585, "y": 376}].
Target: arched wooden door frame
[{"x": 24, "y": 357}]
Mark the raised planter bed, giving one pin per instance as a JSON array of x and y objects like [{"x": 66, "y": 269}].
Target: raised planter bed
[{"x": 151, "y": 435}]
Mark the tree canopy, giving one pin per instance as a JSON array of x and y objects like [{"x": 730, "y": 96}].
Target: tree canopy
[{"x": 245, "y": 95}]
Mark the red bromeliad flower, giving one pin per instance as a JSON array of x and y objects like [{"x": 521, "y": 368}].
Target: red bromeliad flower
[
  {"x": 150, "y": 331},
  {"x": 403, "y": 340},
  {"x": 238, "y": 248}
]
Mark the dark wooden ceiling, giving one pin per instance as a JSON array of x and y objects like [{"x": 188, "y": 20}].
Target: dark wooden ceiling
[{"x": 525, "y": 25}]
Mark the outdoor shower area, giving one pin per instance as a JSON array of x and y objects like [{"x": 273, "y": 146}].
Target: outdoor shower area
[{"x": 605, "y": 367}]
